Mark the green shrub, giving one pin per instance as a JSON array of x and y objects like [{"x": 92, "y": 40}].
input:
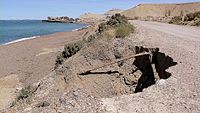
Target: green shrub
[
  {"x": 90, "y": 39},
  {"x": 124, "y": 30},
  {"x": 192, "y": 16},
  {"x": 24, "y": 93},
  {"x": 102, "y": 27},
  {"x": 59, "y": 61},
  {"x": 112, "y": 22},
  {"x": 71, "y": 49},
  {"x": 117, "y": 19},
  {"x": 119, "y": 23},
  {"x": 191, "y": 19},
  {"x": 176, "y": 20}
]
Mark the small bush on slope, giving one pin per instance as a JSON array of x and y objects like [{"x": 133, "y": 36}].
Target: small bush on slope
[
  {"x": 59, "y": 60},
  {"x": 176, "y": 20},
  {"x": 71, "y": 49},
  {"x": 189, "y": 19},
  {"x": 24, "y": 93},
  {"x": 192, "y": 16},
  {"x": 119, "y": 23},
  {"x": 124, "y": 30},
  {"x": 117, "y": 26}
]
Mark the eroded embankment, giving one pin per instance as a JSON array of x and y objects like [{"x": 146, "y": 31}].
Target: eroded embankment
[
  {"x": 125, "y": 77},
  {"x": 65, "y": 90}
]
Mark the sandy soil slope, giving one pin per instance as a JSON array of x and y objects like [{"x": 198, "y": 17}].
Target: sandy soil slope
[
  {"x": 161, "y": 10},
  {"x": 9, "y": 86},
  {"x": 32, "y": 59},
  {"x": 179, "y": 93}
]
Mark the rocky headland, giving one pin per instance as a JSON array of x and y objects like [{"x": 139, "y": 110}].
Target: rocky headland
[{"x": 63, "y": 19}]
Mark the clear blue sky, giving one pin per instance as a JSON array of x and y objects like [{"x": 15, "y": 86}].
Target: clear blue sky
[{"x": 40, "y": 9}]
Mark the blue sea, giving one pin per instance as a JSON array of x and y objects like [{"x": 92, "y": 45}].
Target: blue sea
[{"x": 12, "y": 30}]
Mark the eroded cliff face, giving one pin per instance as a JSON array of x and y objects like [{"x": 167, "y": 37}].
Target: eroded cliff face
[{"x": 161, "y": 11}]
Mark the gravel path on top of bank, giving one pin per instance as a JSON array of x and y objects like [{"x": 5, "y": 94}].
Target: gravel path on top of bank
[{"x": 180, "y": 93}]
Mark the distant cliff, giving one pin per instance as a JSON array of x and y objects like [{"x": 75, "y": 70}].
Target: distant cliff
[
  {"x": 159, "y": 11},
  {"x": 63, "y": 19},
  {"x": 92, "y": 17},
  {"x": 113, "y": 12}
]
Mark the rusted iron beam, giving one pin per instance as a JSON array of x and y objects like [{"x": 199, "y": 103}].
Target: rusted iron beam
[{"x": 113, "y": 62}]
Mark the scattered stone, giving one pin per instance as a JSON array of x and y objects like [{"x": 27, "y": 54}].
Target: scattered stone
[{"x": 43, "y": 104}]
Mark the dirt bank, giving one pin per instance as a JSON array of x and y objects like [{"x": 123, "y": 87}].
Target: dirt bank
[
  {"x": 65, "y": 90},
  {"x": 179, "y": 93}
]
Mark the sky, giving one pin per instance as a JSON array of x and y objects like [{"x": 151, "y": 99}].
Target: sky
[{"x": 40, "y": 9}]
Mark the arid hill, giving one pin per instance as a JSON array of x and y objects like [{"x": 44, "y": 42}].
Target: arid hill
[
  {"x": 92, "y": 17},
  {"x": 113, "y": 11},
  {"x": 144, "y": 11}
]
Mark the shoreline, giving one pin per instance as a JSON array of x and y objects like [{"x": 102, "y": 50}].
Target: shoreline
[
  {"x": 19, "y": 40},
  {"x": 34, "y": 37},
  {"x": 28, "y": 60},
  {"x": 31, "y": 57}
]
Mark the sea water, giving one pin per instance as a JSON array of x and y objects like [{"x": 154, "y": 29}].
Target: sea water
[{"x": 17, "y": 30}]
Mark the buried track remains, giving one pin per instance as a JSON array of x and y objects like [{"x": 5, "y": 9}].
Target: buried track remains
[{"x": 115, "y": 74}]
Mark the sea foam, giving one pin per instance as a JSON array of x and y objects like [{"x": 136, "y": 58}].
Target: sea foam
[
  {"x": 19, "y": 40},
  {"x": 81, "y": 28}
]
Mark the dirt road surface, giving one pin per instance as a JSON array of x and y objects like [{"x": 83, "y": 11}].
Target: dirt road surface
[{"x": 181, "y": 92}]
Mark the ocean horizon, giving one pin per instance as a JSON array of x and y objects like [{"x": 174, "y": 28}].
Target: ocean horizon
[{"x": 18, "y": 30}]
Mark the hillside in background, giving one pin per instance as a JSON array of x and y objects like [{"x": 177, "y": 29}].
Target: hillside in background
[
  {"x": 154, "y": 12},
  {"x": 113, "y": 11},
  {"x": 145, "y": 11},
  {"x": 92, "y": 17}
]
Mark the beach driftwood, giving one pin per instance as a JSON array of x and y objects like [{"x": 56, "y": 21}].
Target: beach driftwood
[{"x": 113, "y": 62}]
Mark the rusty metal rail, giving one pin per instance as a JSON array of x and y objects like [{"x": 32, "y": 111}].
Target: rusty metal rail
[{"x": 113, "y": 62}]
